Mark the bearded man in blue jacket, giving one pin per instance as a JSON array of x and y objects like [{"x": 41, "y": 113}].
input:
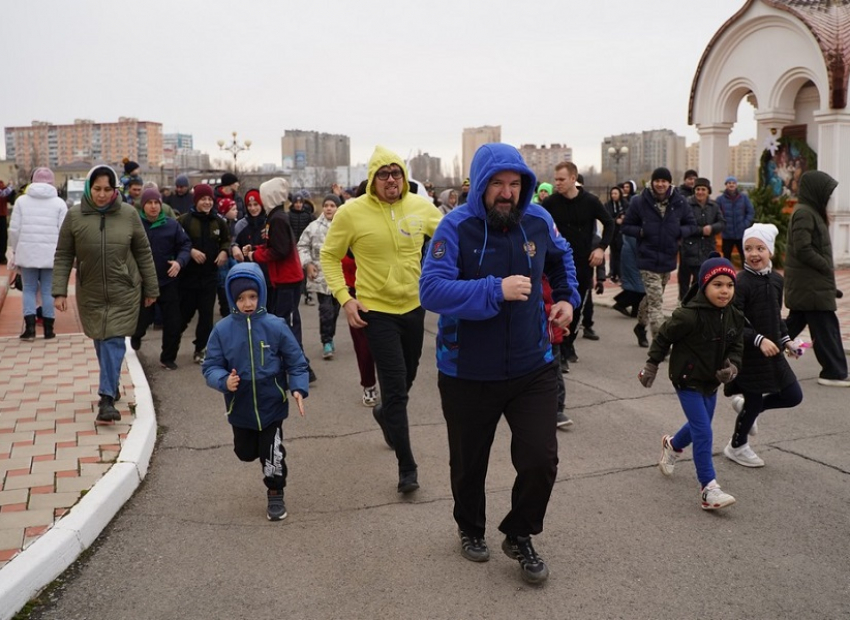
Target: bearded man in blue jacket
[{"x": 483, "y": 275}]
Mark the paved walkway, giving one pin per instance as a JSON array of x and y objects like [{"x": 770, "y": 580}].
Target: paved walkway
[{"x": 52, "y": 454}]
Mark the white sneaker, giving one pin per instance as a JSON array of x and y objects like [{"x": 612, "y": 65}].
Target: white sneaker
[
  {"x": 834, "y": 382},
  {"x": 738, "y": 407},
  {"x": 743, "y": 455},
  {"x": 714, "y": 498},
  {"x": 370, "y": 396},
  {"x": 668, "y": 456}
]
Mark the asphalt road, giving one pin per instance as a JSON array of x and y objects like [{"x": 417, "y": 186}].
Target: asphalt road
[{"x": 621, "y": 540}]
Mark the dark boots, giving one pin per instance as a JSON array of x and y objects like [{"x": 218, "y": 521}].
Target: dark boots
[
  {"x": 106, "y": 411},
  {"x": 640, "y": 332},
  {"x": 48, "y": 328},
  {"x": 29, "y": 328}
]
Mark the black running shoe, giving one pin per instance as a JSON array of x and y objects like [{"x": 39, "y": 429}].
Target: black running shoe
[
  {"x": 276, "y": 510},
  {"x": 473, "y": 548},
  {"x": 519, "y": 548},
  {"x": 408, "y": 482}
]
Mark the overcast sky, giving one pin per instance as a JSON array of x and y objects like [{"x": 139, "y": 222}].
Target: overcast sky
[{"x": 408, "y": 75}]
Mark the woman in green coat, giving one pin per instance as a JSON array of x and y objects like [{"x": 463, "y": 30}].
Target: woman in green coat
[
  {"x": 114, "y": 269},
  {"x": 810, "y": 289}
]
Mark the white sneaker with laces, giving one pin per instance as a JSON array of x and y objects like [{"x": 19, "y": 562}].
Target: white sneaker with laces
[
  {"x": 668, "y": 456},
  {"x": 834, "y": 382},
  {"x": 743, "y": 455},
  {"x": 714, "y": 498}
]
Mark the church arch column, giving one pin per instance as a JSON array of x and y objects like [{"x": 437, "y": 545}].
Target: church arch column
[{"x": 714, "y": 153}]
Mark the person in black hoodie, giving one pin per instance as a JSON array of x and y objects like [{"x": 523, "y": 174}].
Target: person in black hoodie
[
  {"x": 575, "y": 212},
  {"x": 181, "y": 200},
  {"x": 688, "y": 183},
  {"x": 199, "y": 280},
  {"x": 300, "y": 218},
  {"x": 616, "y": 207},
  {"x": 171, "y": 250}
]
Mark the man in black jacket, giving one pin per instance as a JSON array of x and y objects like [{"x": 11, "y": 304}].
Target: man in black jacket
[{"x": 575, "y": 212}]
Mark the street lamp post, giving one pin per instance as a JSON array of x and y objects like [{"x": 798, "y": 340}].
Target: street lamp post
[
  {"x": 617, "y": 153},
  {"x": 234, "y": 148}
]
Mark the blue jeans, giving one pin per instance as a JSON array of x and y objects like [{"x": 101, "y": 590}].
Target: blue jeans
[
  {"x": 110, "y": 356},
  {"x": 35, "y": 279},
  {"x": 699, "y": 409}
]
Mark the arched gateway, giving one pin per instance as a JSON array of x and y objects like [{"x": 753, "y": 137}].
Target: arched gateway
[{"x": 791, "y": 59}]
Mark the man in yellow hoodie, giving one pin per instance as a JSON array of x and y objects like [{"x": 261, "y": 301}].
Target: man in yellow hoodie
[{"x": 385, "y": 230}]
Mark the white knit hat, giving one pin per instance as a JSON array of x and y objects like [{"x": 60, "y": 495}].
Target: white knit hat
[{"x": 762, "y": 232}]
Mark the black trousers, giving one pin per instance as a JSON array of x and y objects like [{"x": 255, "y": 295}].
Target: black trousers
[
  {"x": 328, "y": 314},
  {"x": 472, "y": 410},
  {"x": 730, "y": 244},
  {"x": 201, "y": 300},
  {"x": 584, "y": 275},
  {"x": 286, "y": 300},
  {"x": 266, "y": 445},
  {"x": 826, "y": 339},
  {"x": 396, "y": 344},
  {"x": 168, "y": 303},
  {"x": 4, "y": 238},
  {"x": 686, "y": 275}
]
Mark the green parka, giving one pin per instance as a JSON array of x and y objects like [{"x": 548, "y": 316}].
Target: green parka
[
  {"x": 703, "y": 336},
  {"x": 115, "y": 267},
  {"x": 809, "y": 269}
]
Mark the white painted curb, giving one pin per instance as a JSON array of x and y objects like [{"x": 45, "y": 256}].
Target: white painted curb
[{"x": 48, "y": 557}]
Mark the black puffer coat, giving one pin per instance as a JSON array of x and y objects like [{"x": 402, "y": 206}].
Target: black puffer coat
[
  {"x": 696, "y": 248},
  {"x": 759, "y": 297}
]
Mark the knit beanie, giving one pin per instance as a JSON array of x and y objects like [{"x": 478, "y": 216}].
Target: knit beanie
[
  {"x": 690, "y": 174},
  {"x": 130, "y": 166},
  {"x": 333, "y": 198},
  {"x": 730, "y": 179},
  {"x": 151, "y": 194},
  {"x": 255, "y": 194},
  {"x": 181, "y": 181},
  {"x": 228, "y": 178},
  {"x": 240, "y": 285},
  {"x": 662, "y": 174},
  {"x": 762, "y": 232},
  {"x": 546, "y": 187},
  {"x": 715, "y": 266},
  {"x": 43, "y": 175},
  {"x": 200, "y": 191},
  {"x": 703, "y": 182},
  {"x": 135, "y": 180},
  {"x": 225, "y": 204}
]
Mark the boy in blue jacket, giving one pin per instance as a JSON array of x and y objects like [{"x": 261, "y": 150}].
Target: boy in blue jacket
[{"x": 252, "y": 358}]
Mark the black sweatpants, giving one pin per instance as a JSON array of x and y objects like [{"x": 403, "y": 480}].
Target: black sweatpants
[
  {"x": 168, "y": 303},
  {"x": 201, "y": 300},
  {"x": 267, "y": 445},
  {"x": 472, "y": 410},
  {"x": 396, "y": 344},
  {"x": 826, "y": 339},
  {"x": 328, "y": 314}
]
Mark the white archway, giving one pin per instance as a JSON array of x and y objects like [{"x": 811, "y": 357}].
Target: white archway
[{"x": 771, "y": 54}]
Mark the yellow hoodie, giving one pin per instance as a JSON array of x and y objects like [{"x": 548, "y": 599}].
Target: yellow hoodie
[{"x": 386, "y": 240}]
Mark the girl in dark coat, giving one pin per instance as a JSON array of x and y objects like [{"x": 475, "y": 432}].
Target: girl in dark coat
[
  {"x": 766, "y": 381},
  {"x": 616, "y": 207}
]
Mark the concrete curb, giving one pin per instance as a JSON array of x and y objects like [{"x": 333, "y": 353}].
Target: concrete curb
[{"x": 49, "y": 556}]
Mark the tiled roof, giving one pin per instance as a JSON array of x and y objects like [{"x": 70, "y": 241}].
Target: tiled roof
[{"x": 829, "y": 23}]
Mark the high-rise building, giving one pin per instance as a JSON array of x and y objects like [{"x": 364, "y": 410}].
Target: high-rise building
[
  {"x": 302, "y": 149},
  {"x": 542, "y": 160},
  {"x": 424, "y": 167},
  {"x": 692, "y": 156},
  {"x": 44, "y": 143},
  {"x": 474, "y": 137},
  {"x": 177, "y": 149},
  {"x": 647, "y": 151},
  {"x": 177, "y": 141},
  {"x": 744, "y": 161}
]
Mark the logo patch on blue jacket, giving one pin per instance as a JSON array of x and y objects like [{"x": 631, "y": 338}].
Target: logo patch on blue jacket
[
  {"x": 438, "y": 249},
  {"x": 530, "y": 248}
]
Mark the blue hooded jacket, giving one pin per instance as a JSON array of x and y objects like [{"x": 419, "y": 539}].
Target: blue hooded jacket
[
  {"x": 262, "y": 349},
  {"x": 481, "y": 336}
]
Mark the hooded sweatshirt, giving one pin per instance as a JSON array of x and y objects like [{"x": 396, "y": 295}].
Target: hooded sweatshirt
[
  {"x": 280, "y": 253},
  {"x": 262, "y": 349},
  {"x": 481, "y": 336},
  {"x": 34, "y": 230},
  {"x": 386, "y": 240}
]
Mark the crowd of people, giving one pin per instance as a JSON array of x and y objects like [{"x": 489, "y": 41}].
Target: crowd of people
[{"x": 510, "y": 265}]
